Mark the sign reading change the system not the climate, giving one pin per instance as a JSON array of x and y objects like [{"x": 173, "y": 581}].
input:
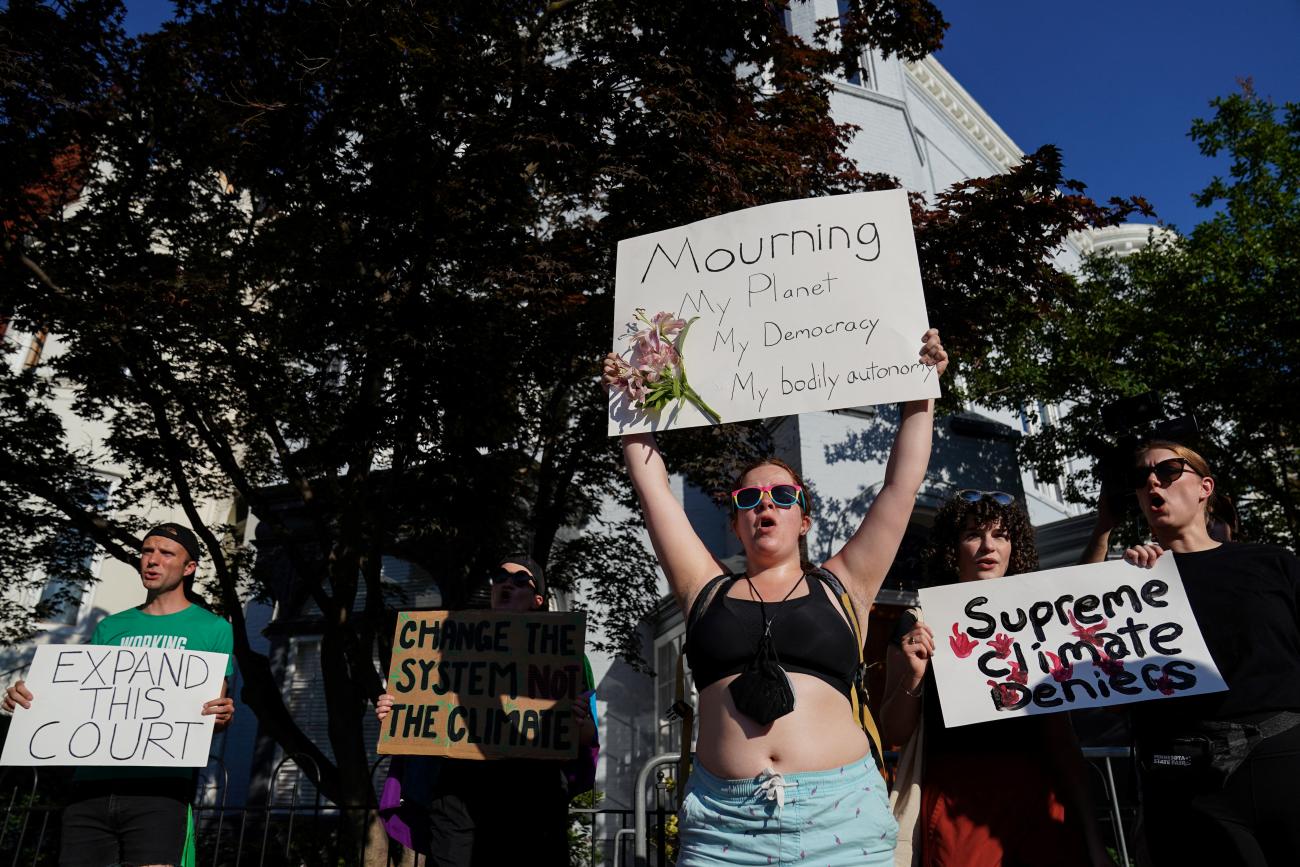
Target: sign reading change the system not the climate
[
  {"x": 793, "y": 307},
  {"x": 477, "y": 684},
  {"x": 100, "y": 705},
  {"x": 1063, "y": 639}
]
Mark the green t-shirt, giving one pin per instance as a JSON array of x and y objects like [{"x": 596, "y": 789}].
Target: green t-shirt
[{"x": 192, "y": 628}]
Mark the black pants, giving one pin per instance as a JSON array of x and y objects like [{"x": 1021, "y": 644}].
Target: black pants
[
  {"x": 1252, "y": 818},
  {"x": 492, "y": 813},
  {"x": 116, "y": 822}
]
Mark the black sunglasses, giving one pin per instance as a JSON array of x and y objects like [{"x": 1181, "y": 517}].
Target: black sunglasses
[
  {"x": 519, "y": 579},
  {"x": 970, "y": 495},
  {"x": 1167, "y": 471}
]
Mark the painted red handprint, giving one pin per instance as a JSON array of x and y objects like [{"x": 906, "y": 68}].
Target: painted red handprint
[
  {"x": 1004, "y": 696},
  {"x": 1018, "y": 674},
  {"x": 1061, "y": 671},
  {"x": 1110, "y": 664},
  {"x": 1001, "y": 645},
  {"x": 1165, "y": 684},
  {"x": 1086, "y": 633},
  {"x": 961, "y": 643}
]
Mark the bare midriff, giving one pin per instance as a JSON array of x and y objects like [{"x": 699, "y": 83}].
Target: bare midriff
[{"x": 818, "y": 735}]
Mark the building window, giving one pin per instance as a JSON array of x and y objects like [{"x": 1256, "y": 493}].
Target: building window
[
  {"x": 668, "y": 648},
  {"x": 62, "y": 597},
  {"x": 856, "y": 71}
]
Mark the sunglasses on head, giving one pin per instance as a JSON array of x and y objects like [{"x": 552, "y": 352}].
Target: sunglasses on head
[
  {"x": 1167, "y": 471},
  {"x": 519, "y": 579},
  {"x": 784, "y": 496},
  {"x": 970, "y": 495}
]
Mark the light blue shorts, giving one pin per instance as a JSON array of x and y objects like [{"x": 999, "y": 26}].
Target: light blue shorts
[{"x": 835, "y": 818}]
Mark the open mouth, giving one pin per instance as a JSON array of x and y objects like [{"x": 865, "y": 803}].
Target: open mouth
[
  {"x": 766, "y": 522},
  {"x": 1157, "y": 501}
]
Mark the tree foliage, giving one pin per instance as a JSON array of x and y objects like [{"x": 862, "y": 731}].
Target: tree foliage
[
  {"x": 352, "y": 264},
  {"x": 1207, "y": 320}
]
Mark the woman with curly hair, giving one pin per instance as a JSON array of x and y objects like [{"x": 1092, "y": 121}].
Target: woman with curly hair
[{"x": 1005, "y": 792}]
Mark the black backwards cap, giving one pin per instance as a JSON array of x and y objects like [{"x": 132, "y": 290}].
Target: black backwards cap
[{"x": 180, "y": 534}]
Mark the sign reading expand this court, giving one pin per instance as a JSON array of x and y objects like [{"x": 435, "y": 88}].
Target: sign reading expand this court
[
  {"x": 1063, "y": 639},
  {"x": 131, "y": 706},
  {"x": 797, "y": 306},
  {"x": 480, "y": 684}
]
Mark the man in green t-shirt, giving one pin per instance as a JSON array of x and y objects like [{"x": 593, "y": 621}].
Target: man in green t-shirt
[{"x": 141, "y": 815}]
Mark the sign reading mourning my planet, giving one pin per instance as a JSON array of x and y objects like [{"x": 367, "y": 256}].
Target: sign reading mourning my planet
[
  {"x": 804, "y": 305},
  {"x": 1063, "y": 639},
  {"x": 129, "y": 706},
  {"x": 485, "y": 684}
]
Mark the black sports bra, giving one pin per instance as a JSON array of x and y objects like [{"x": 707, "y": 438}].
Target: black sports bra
[{"x": 809, "y": 634}]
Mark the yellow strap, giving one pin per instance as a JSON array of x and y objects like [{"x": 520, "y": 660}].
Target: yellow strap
[
  {"x": 687, "y": 714},
  {"x": 860, "y": 711}
]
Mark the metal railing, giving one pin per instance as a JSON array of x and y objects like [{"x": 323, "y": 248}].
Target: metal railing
[
  {"x": 320, "y": 833},
  {"x": 309, "y": 833}
]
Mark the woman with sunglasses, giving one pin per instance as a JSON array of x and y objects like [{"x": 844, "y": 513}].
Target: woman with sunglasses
[
  {"x": 783, "y": 771},
  {"x": 1218, "y": 771},
  {"x": 1006, "y": 792}
]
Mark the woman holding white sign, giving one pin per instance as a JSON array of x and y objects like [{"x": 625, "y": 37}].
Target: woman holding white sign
[
  {"x": 1219, "y": 770},
  {"x": 1011, "y": 791},
  {"x": 783, "y": 770}
]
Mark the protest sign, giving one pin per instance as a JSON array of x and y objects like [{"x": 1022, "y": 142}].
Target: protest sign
[
  {"x": 130, "y": 706},
  {"x": 1064, "y": 639},
  {"x": 480, "y": 684},
  {"x": 804, "y": 305}
]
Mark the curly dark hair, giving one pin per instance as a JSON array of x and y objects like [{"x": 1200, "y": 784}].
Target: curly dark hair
[{"x": 940, "y": 556}]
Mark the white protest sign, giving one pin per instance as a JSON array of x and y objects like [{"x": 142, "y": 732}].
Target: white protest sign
[
  {"x": 805, "y": 305},
  {"x": 1063, "y": 639},
  {"x": 100, "y": 705}
]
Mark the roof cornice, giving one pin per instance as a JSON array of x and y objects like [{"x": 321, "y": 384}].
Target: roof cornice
[{"x": 935, "y": 83}]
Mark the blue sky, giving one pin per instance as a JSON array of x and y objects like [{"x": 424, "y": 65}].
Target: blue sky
[
  {"x": 1114, "y": 85},
  {"x": 1117, "y": 85}
]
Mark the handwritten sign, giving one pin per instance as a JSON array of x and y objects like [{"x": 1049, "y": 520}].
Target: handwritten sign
[
  {"x": 802, "y": 305},
  {"x": 98, "y": 705},
  {"x": 1063, "y": 639},
  {"x": 476, "y": 685}
]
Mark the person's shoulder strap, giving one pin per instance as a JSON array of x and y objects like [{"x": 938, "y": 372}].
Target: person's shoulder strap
[
  {"x": 705, "y": 598},
  {"x": 858, "y": 690}
]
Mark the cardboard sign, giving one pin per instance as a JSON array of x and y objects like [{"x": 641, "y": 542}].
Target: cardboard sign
[
  {"x": 1063, "y": 639},
  {"x": 804, "y": 305},
  {"x": 99, "y": 705},
  {"x": 485, "y": 684}
]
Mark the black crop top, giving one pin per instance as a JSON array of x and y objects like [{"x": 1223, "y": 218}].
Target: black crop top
[{"x": 809, "y": 634}]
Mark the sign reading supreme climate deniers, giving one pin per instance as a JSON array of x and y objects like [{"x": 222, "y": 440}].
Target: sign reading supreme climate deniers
[
  {"x": 480, "y": 684},
  {"x": 802, "y": 305},
  {"x": 100, "y": 705},
  {"x": 1062, "y": 639}
]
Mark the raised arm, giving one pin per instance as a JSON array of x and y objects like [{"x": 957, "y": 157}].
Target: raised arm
[
  {"x": 865, "y": 559},
  {"x": 687, "y": 563}
]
